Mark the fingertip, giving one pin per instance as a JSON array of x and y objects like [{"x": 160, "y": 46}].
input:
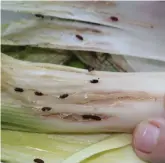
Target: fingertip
[
  {"x": 146, "y": 137},
  {"x": 147, "y": 140}
]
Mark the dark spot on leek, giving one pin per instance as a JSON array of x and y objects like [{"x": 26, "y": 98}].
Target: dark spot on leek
[
  {"x": 114, "y": 18},
  {"x": 39, "y": 16},
  {"x": 93, "y": 117},
  {"x": 38, "y": 93},
  {"x": 90, "y": 68},
  {"x": 38, "y": 160},
  {"x": 94, "y": 81},
  {"x": 64, "y": 95},
  {"x": 79, "y": 37},
  {"x": 17, "y": 89},
  {"x": 46, "y": 109}
]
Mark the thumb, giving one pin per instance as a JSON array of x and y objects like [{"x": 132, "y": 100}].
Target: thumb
[{"x": 149, "y": 140}]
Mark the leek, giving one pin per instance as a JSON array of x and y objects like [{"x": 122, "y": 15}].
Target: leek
[
  {"x": 61, "y": 34},
  {"x": 99, "y": 13},
  {"x": 119, "y": 63},
  {"x": 40, "y": 99},
  {"x": 53, "y": 98},
  {"x": 138, "y": 23},
  {"x": 25, "y": 147}
]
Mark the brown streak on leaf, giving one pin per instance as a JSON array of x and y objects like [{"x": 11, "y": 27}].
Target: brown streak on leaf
[
  {"x": 120, "y": 96},
  {"x": 88, "y": 29}
]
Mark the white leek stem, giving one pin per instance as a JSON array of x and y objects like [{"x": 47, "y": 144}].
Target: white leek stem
[
  {"x": 119, "y": 100},
  {"x": 138, "y": 31}
]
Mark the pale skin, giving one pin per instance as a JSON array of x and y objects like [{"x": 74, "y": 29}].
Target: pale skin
[{"x": 149, "y": 140}]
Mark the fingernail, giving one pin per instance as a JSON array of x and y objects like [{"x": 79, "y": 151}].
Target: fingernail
[{"x": 146, "y": 137}]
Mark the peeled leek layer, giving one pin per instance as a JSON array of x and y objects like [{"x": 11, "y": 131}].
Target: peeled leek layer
[
  {"x": 121, "y": 44},
  {"x": 61, "y": 34},
  {"x": 23, "y": 147},
  {"x": 121, "y": 28},
  {"x": 49, "y": 98}
]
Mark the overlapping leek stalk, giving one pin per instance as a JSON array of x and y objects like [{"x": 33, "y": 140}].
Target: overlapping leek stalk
[
  {"x": 64, "y": 99},
  {"x": 63, "y": 34},
  {"x": 113, "y": 98},
  {"x": 130, "y": 35},
  {"x": 25, "y": 147}
]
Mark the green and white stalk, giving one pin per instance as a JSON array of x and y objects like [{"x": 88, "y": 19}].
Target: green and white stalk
[
  {"x": 125, "y": 45},
  {"x": 120, "y": 100},
  {"x": 138, "y": 32},
  {"x": 146, "y": 16},
  {"x": 95, "y": 148},
  {"x": 61, "y": 34},
  {"x": 119, "y": 63}
]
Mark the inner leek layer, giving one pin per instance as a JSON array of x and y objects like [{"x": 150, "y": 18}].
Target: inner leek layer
[
  {"x": 51, "y": 98},
  {"x": 18, "y": 147}
]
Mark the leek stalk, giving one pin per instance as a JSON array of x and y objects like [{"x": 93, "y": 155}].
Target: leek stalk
[
  {"x": 95, "y": 148},
  {"x": 62, "y": 21},
  {"x": 53, "y": 98}
]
